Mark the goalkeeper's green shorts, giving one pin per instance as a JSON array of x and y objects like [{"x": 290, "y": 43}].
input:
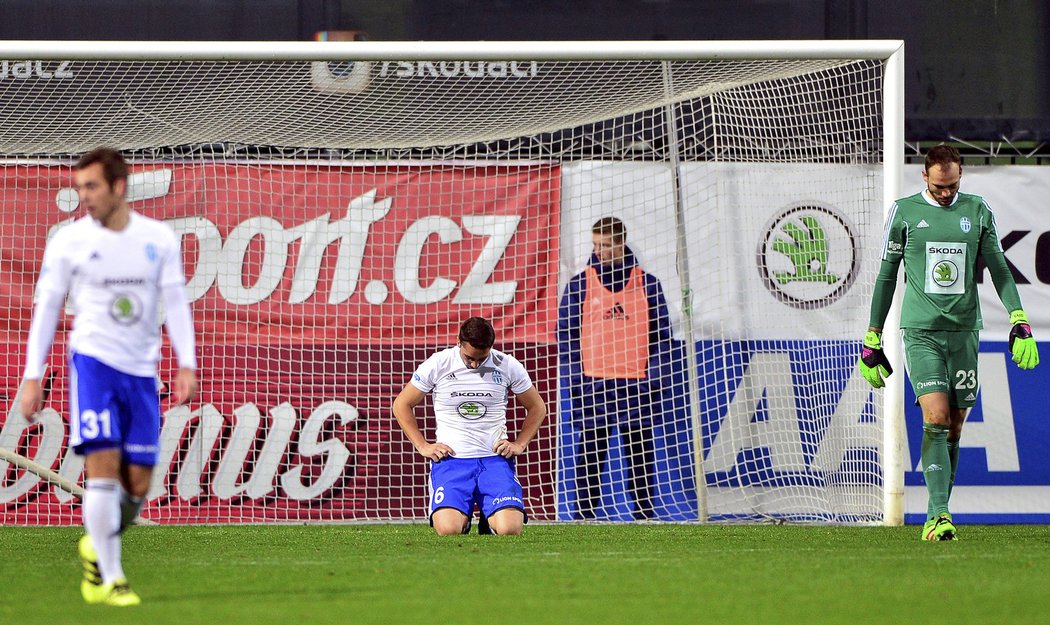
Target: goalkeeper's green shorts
[{"x": 943, "y": 361}]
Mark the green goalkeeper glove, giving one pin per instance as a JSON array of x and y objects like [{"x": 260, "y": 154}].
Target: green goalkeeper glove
[
  {"x": 874, "y": 365},
  {"x": 1022, "y": 345}
]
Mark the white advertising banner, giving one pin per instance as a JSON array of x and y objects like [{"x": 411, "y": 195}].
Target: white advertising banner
[
  {"x": 775, "y": 265},
  {"x": 780, "y": 256},
  {"x": 782, "y": 262},
  {"x": 784, "y": 254}
]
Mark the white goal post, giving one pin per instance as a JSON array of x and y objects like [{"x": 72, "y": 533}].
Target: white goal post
[{"x": 343, "y": 206}]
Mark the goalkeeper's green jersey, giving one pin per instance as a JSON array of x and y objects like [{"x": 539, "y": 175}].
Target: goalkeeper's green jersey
[{"x": 940, "y": 246}]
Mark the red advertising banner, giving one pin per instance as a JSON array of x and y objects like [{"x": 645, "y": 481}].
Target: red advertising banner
[{"x": 316, "y": 291}]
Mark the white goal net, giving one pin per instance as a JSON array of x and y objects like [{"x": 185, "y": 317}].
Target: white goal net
[{"x": 340, "y": 219}]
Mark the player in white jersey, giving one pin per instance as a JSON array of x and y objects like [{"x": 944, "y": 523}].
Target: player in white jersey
[
  {"x": 117, "y": 267},
  {"x": 472, "y": 455}
]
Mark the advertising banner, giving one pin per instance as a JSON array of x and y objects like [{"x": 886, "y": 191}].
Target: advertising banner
[{"x": 316, "y": 291}]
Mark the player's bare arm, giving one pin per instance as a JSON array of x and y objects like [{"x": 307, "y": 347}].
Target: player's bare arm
[
  {"x": 535, "y": 413},
  {"x": 32, "y": 398},
  {"x": 404, "y": 411},
  {"x": 185, "y": 385},
  {"x": 41, "y": 334}
]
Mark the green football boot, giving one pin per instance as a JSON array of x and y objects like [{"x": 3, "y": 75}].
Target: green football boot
[
  {"x": 927, "y": 528},
  {"x": 940, "y": 528}
]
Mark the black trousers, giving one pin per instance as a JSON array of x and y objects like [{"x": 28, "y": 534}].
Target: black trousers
[{"x": 639, "y": 459}]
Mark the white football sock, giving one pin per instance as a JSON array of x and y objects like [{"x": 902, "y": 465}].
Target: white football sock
[{"x": 101, "y": 514}]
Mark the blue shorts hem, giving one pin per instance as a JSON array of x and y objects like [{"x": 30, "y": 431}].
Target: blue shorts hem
[
  {"x": 447, "y": 508},
  {"x": 142, "y": 460},
  {"x": 525, "y": 515},
  {"x": 83, "y": 449}
]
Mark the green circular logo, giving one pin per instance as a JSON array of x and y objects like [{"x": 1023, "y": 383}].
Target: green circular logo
[
  {"x": 808, "y": 256},
  {"x": 471, "y": 410},
  {"x": 945, "y": 273},
  {"x": 125, "y": 309}
]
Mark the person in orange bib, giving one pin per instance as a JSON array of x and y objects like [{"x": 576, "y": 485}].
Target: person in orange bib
[{"x": 614, "y": 339}]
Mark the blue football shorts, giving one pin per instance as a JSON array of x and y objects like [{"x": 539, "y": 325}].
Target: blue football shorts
[
  {"x": 461, "y": 483},
  {"x": 111, "y": 409}
]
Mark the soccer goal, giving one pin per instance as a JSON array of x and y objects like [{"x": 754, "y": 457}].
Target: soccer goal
[{"x": 343, "y": 206}]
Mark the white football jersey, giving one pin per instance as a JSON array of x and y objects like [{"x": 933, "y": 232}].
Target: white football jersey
[
  {"x": 114, "y": 281},
  {"x": 470, "y": 405}
]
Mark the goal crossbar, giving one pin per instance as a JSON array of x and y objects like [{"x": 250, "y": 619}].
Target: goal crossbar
[{"x": 447, "y": 50}]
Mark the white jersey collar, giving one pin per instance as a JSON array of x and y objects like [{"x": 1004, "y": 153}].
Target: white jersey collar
[{"x": 932, "y": 202}]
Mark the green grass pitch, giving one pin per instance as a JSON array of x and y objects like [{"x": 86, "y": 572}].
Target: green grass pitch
[{"x": 557, "y": 574}]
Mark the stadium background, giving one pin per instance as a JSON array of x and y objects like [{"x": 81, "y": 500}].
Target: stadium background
[
  {"x": 977, "y": 70},
  {"x": 978, "y": 75}
]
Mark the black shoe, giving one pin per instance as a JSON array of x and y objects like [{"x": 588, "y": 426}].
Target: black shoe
[{"x": 483, "y": 526}]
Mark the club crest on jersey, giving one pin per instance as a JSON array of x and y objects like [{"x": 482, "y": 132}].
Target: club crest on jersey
[
  {"x": 125, "y": 309},
  {"x": 964, "y": 223},
  {"x": 151, "y": 252},
  {"x": 497, "y": 377}
]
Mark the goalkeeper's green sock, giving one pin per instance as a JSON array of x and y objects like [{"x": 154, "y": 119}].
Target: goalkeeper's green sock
[
  {"x": 953, "y": 455},
  {"x": 936, "y": 465}
]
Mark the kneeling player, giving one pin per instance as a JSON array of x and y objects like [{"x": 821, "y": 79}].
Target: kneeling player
[{"x": 472, "y": 458}]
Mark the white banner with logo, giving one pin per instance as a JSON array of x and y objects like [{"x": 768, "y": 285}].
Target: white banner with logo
[
  {"x": 777, "y": 254},
  {"x": 790, "y": 254},
  {"x": 776, "y": 265},
  {"x": 772, "y": 256}
]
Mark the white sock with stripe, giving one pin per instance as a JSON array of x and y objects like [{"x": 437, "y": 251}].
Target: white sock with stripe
[{"x": 101, "y": 512}]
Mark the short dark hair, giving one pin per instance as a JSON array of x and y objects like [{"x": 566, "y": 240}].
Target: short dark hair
[
  {"x": 943, "y": 155},
  {"x": 478, "y": 332},
  {"x": 611, "y": 226},
  {"x": 113, "y": 166}
]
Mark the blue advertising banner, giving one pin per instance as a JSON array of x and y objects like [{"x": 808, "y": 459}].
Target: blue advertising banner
[
  {"x": 1003, "y": 474},
  {"x": 767, "y": 444}
]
